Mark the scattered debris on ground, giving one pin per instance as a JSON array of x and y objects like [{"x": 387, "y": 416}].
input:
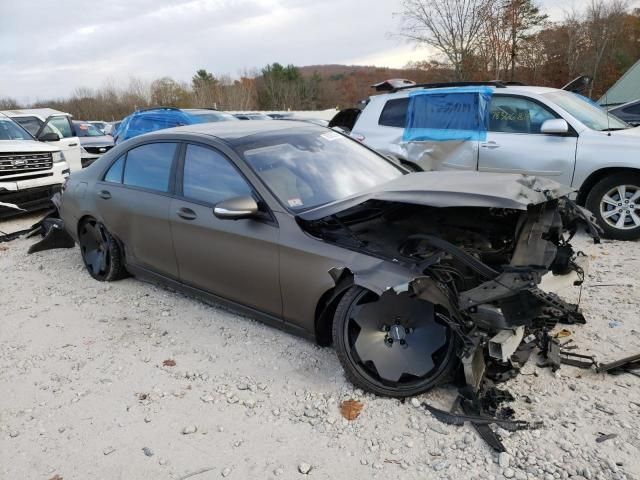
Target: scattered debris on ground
[{"x": 81, "y": 371}]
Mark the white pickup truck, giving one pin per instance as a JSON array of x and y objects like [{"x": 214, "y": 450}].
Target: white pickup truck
[{"x": 30, "y": 171}]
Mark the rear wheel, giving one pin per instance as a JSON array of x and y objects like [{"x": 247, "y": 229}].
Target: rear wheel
[
  {"x": 101, "y": 253},
  {"x": 392, "y": 345},
  {"x": 615, "y": 201}
]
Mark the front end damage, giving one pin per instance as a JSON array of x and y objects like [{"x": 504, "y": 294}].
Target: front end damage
[{"x": 485, "y": 269}]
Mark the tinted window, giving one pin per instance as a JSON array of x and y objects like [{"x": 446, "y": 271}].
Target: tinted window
[
  {"x": 114, "y": 174},
  {"x": 149, "y": 166},
  {"x": 394, "y": 113},
  {"x": 30, "y": 124},
  {"x": 209, "y": 177},
  {"x": 307, "y": 167},
  {"x": 517, "y": 115},
  {"x": 62, "y": 124}
]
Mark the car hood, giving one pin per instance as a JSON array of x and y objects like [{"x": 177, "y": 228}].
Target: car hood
[
  {"x": 101, "y": 141},
  {"x": 23, "y": 146},
  {"x": 631, "y": 133},
  {"x": 453, "y": 189}
]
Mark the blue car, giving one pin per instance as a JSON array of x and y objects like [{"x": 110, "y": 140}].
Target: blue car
[{"x": 152, "y": 119}]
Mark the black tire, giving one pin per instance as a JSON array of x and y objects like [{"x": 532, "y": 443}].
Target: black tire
[
  {"x": 604, "y": 202},
  {"x": 101, "y": 253},
  {"x": 365, "y": 374}
]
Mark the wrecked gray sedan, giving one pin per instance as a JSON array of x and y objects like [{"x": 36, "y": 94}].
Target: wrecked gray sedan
[{"x": 416, "y": 279}]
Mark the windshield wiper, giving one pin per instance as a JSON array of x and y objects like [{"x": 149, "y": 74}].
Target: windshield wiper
[{"x": 614, "y": 129}]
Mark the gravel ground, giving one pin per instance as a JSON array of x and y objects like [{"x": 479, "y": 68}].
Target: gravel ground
[{"x": 85, "y": 393}]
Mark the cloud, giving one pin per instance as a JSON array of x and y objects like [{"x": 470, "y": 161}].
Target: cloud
[{"x": 47, "y": 50}]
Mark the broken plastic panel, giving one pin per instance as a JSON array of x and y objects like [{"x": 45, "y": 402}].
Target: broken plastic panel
[{"x": 448, "y": 114}]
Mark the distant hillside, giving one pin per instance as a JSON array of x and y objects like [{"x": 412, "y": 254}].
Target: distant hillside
[{"x": 345, "y": 85}]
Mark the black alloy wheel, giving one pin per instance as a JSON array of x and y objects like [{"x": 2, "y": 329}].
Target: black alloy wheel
[{"x": 392, "y": 345}]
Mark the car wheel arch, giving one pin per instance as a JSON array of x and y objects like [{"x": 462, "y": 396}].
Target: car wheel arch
[
  {"x": 596, "y": 177},
  {"x": 86, "y": 217},
  {"x": 326, "y": 308}
]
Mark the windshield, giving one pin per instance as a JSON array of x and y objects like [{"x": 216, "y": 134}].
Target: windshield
[
  {"x": 587, "y": 112},
  {"x": 12, "y": 131},
  {"x": 213, "y": 117},
  {"x": 87, "y": 130},
  {"x": 306, "y": 168}
]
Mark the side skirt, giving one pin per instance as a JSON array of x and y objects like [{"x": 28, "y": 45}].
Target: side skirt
[{"x": 216, "y": 301}]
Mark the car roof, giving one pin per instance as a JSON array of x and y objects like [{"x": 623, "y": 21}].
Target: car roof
[
  {"x": 522, "y": 89},
  {"x": 39, "y": 112},
  {"x": 236, "y": 130}
]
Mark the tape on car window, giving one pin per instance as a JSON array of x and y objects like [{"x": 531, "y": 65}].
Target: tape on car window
[{"x": 460, "y": 113}]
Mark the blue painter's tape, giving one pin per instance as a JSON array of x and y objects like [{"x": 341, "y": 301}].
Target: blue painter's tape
[{"x": 442, "y": 114}]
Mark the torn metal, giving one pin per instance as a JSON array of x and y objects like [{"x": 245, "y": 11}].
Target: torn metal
[
  {"x": 477, "y": 253},
  {"x": 50, "y": 228}
]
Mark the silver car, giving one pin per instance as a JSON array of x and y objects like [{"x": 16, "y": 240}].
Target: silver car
[{"x": 532, "y": 130}]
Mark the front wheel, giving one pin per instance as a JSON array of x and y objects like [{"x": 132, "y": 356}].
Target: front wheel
[
  {"x": 392, "y": 345},
  {"x": 615, "y": 201}
]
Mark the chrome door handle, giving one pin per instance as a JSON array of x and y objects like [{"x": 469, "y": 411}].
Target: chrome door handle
[
  {"x": 491, "y": 145},
  {"x": 104, "y": 194},
  {"x": 187, "y": 213}
]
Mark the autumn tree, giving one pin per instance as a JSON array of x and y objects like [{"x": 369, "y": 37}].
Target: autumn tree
[
  {"x": 522, "y": 17},
  {"x": 206, "y": 89},
  {"x": 452, "y": 27},
  {"x": 167, "y": 92}
]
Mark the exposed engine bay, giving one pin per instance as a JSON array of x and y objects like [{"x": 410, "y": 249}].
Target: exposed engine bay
[{"x": 481, "y": 266}]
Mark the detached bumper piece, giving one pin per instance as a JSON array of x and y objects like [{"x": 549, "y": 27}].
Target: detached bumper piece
[
  {"x": 53, "y": 233},
  {"x": 50, "y": 228}
]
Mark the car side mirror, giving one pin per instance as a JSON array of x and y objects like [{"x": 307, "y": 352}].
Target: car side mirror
[
  {"x": 49, "y": 137},
  {"x": 236, "y": 208},
  {"x": 555, "y": 126}
]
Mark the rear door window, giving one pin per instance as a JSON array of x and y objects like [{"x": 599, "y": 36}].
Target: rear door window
[
  {"x": 114, "y": 174},
  {"x": 149, "y": 166},
  {"x": 394, "y": 113}
]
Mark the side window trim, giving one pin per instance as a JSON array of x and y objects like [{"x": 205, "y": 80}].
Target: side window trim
[
  {"x": 267, "y": 216},
  {"x": 395, "y": 101},
  {"x": 122, "y": 157},
  {"x": 172, "y": 174},
  {"x": 571, "y": 133}
]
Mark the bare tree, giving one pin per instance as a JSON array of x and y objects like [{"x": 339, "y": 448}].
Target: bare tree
[
  {"x": 493, "y": 48},
  {"x": 604, "y": 22},
  {"x": 452, "y": 27},
  {"x": 521, "y": 17}
]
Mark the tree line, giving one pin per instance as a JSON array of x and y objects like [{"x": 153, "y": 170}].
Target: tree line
[
  {"x": 510, "y": 40},
  {"x": 514, "y": 40}
]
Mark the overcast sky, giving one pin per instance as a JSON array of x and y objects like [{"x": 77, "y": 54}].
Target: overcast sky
[{"x": 49, "y": 49}]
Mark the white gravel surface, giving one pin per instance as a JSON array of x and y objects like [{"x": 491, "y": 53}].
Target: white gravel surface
[{"x": 84, "y": 393}]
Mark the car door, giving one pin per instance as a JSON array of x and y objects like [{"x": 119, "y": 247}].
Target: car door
[
  {"x": 69, "y": 143},
  {"x": 133, "y": 201},
  {"x": 514, "y": 143},
  {"x": 235, "y": 259}
]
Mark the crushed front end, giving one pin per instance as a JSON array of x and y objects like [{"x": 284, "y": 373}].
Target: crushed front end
[{"x": 485, "y": 269}]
